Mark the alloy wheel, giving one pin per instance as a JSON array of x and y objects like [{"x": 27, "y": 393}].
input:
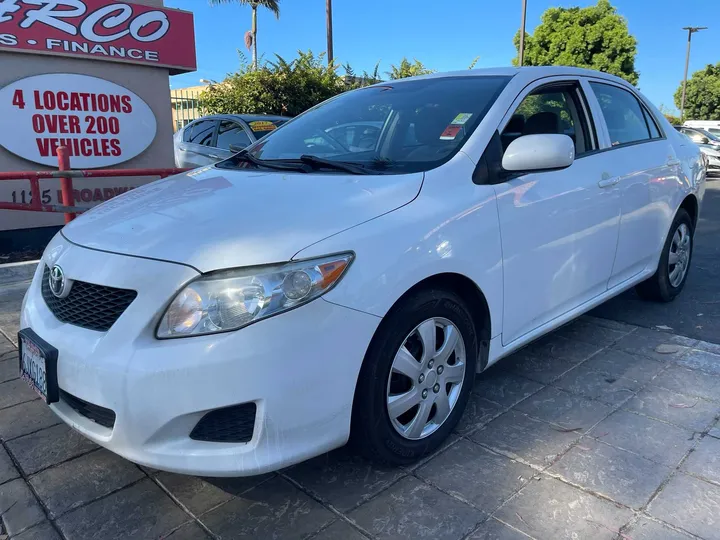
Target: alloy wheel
[
  {"x": 426, "y": 378},
  {"x": 679, "y": 257}
]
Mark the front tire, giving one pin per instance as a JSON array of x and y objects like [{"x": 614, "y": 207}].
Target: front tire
[
  {"x": 416, "y": 378},
  {"x": 671, "y": 274}
]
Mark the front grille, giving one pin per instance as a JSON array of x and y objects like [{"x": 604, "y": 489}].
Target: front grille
[
  {"x": 230, "y": 425},
  {"x": 99, "y": 415},
  {"x": 91, "y": 306}
]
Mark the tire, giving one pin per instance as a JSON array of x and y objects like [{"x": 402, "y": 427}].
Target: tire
[
  {"x": 660, "y": 287},
  {"x": 388, "y": 440}
]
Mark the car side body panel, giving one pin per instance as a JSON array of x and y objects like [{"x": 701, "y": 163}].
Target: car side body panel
[{"x": 451, "y": 227}]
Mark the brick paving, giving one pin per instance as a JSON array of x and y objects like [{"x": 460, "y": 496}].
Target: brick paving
[{"x": 589, "y": 433}]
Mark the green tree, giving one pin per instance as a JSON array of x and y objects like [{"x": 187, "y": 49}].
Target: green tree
[
  {"x": 408, "y": 69},
  {"x": 702, "y": 99},
  {"x": 278, "y": 87},
  {"x": 594, "y": 37},
  {"x": 251, "y": 37},
  {"x": 668, "y": 114}
]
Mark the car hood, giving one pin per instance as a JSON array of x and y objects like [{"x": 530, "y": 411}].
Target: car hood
[
  {"x": 214, "y": 218},
  {"x": 710, "y": 150}
]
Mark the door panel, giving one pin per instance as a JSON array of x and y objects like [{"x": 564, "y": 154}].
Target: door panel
[
  {"x": 645, "y": 165},
  {"x": 648, "y": 180},
  {"x": 559, "y": 233}
]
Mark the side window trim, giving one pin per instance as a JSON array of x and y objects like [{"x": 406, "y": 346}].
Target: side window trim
[
  {"x": 213, "y": 141},
  {"x": 246, "y": 128}
]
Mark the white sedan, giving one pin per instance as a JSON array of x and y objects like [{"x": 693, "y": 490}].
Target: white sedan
[{"x": 252, "y": 314}]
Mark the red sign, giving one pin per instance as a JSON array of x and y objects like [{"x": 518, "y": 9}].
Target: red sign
[{"x": 100, "y": 29}]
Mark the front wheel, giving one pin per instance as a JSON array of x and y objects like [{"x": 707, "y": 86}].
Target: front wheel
[
  {"x": 672, "y": 272},
  {"x": 416, "y": 378}
]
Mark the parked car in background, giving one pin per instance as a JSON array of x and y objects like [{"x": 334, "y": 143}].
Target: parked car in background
[
  {"x": 346, "y": 277},
  {"x": 713, "y": 126},
  {"x": 213, "y": 138},
  {"x": 700, "y": 136},
  {"x": 709, "y": 145}
]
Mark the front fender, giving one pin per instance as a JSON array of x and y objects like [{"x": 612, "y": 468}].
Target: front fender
[{"x": 452, "y": 226}]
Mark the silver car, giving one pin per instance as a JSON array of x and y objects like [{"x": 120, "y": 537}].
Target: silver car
[{"x": 213, "y": 138}]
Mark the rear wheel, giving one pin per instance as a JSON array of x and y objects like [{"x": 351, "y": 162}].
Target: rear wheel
[
  {"x": 416, "y": 378},
  {"x": 672, "y": 271}
]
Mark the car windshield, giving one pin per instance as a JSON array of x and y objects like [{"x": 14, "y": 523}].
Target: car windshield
[
  {"x": 391, "y": 128},
  {"x": 709, "y": 135}
]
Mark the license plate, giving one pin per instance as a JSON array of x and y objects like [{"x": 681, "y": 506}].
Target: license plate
[{"x": 38, "y": 365}]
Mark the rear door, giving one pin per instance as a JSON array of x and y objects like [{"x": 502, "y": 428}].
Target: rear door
[
  {"x": 641, "y": 163},
  {"x": 559, "y": 229},
  {"x": 197, "y": 145}
]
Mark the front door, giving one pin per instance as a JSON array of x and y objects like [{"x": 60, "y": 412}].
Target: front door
[{"x": 559, "y": 229}]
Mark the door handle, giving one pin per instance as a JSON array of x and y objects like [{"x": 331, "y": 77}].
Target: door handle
[
  {"x": 608, "y": 182},
  {"x": 672, "y": 162},
  {"x": 213, "y": 156}
]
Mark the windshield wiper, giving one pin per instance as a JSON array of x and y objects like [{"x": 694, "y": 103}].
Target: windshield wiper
[
  {"x": 247, "y": 157},
  {"x": 344, "y": 166}
]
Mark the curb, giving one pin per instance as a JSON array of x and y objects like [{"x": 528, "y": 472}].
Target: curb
[{"x": 16, "y": 272}]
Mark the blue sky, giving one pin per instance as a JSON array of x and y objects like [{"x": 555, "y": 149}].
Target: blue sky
[{"x": 444, "y": 35}]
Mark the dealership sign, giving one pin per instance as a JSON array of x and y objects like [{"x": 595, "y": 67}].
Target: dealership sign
[
  {"x": 99, "y": 122},
  {"x": 119, "y": 31}
]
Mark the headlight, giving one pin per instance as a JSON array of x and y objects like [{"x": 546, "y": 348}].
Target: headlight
[{"x": 231, "y": 299}]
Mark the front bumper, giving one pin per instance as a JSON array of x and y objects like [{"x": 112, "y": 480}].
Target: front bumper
[{"x": 299, "y": 368}]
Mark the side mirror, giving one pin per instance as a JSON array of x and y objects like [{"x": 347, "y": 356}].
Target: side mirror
[
  {"x": 704, "y": 140},
  {"x": 236, "y": 148},
  {"x": 539, "y": 152}
]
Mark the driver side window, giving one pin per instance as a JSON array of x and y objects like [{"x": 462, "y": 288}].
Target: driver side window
[{"x": 550, "y": 109}]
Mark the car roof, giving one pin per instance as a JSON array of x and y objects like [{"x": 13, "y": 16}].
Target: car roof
[
  {"x": 245, "y": 117},
  {"x": 530, "y": 73},
  {"x": 255, "y": 117}
]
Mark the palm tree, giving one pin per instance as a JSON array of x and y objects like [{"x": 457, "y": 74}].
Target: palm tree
[{"x": 272, "y": 5}]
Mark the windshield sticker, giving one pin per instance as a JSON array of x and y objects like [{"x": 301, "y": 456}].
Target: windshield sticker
[
  {"x": 262, "y": 125},
  {"x": 450, "y": 133},
  {"x": 461, "y": 119}
]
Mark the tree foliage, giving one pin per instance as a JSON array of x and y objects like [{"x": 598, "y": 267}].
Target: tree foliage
[
  {"x": 594, "y": 37},
  {"x": 408, "y": 69},
  {"x": 702, "y": 100},
  {"x": 272, "y": 5},
  {"x": 278, "y": 87},
  {"x": 669, "y": 115}
]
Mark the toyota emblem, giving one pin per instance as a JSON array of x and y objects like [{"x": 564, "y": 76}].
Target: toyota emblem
[{"x": 59, "y": 286}]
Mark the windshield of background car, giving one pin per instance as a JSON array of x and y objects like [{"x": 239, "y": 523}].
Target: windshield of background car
[
  {"x": 392, "y": 128},
  {"x": 709, "y": 135}
]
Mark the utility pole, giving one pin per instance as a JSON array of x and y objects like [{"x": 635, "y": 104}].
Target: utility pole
[
  {"x": 690, "y": 30},
  {"x": 328, "y": 24},
  {"x": 521, "y": 52}
]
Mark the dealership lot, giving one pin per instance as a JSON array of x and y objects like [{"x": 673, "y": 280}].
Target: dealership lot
[{"x": 603, "y": 429}]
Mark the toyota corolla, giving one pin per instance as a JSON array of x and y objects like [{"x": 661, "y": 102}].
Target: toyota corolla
[{"x": 327, "y": 285}]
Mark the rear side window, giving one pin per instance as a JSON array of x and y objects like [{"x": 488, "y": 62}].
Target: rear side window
[
  {"x": 201, "y": 132},
  {"x": 652, "y": 126},
  {"x": 623, "y": 114},
  {"x": 231, "y": 133}
]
